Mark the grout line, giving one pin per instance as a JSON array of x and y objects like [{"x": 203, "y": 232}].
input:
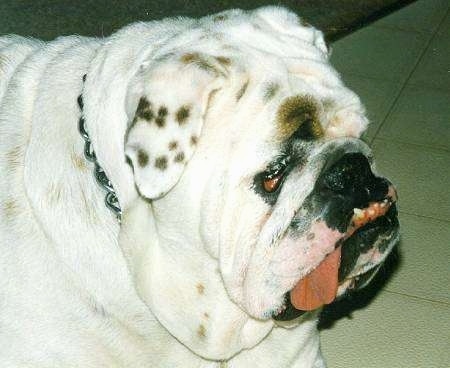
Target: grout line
[
  {"x": 391, "y": 27},
  {"x": 424, "y": 216},
  {"x": 418, "y": 298},
  {"x": 439, "y": 149},
  {"x": 422, "y": 54}
]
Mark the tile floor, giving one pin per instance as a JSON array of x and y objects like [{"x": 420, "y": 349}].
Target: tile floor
[{"x": 400, "y": 66}]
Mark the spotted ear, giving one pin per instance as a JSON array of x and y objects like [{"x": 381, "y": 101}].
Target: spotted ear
[{"x": 166, "y": 104}]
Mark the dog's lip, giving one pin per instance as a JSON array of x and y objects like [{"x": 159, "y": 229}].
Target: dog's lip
[{"x": 386, "y": 207}]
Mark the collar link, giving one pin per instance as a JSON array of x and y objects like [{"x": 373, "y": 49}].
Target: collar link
[{"x": 111, "y": 200}]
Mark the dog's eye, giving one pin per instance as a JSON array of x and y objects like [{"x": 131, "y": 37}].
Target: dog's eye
[
  {"x": 272, "y": 183},
  {"x": 273, "y": 177},
  {"x": 270, "y": 180}
]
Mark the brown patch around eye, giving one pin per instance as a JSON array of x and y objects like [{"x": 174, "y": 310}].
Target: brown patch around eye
[
  {"x": 182, "y": 114},
  {"x": 299, "y": 115}
]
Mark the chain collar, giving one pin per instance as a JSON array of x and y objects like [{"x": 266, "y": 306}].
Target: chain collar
[{"x": 111, "y": 200}]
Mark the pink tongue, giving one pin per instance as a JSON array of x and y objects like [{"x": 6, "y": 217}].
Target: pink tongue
[{"x": 320, "y": 286}]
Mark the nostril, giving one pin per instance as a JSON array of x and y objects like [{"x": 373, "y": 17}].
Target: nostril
[
  {"x": 350, "y": 175},
  {"x": 350, "y": 170}
]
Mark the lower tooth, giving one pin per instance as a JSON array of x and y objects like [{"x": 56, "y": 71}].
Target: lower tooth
[{"x": 358, "y": 212}]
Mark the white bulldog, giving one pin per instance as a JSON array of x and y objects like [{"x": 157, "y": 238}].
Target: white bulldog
[{"x": 248, "y": 201}]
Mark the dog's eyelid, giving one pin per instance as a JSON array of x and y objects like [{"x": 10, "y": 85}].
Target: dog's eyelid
[
  {"x": 272, "y": 177},
  {"x": 277, "y": 167}
]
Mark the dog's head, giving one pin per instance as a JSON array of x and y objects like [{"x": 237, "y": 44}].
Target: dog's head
[{"x": 247, "y": 143}]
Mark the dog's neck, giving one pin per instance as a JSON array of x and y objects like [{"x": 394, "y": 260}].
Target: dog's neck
[
  {"x": 191, "y": 301},
  {"x": 182, "y": 286}
]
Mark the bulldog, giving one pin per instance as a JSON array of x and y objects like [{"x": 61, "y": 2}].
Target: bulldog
[{"x": 243, "y": 198}]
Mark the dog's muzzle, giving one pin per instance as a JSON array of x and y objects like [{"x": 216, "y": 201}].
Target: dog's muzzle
[{"x": 350, "y": 199}]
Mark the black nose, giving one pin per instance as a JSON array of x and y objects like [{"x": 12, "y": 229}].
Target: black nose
[
  {"x": 346, "y": 184},
  {"x": 351, "y": 178}
]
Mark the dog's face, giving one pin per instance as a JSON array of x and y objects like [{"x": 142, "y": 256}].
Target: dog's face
[
  {"x": 257, "y": 148},
  {"x": 294, "y": 215}
]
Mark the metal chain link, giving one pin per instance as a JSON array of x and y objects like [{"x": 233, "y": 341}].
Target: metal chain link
[{"x": 111, "y": 200}]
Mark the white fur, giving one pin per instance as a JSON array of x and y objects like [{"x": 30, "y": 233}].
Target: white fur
[{"x": 169, "y": 287}]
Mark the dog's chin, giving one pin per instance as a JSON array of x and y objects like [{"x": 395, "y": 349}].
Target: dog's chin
[{"x": 382, "y": 234}]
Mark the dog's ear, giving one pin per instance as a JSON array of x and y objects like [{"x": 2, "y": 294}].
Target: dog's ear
[
  {"x": 288, "y": 23},
  {"x": 166, "y": 104}
]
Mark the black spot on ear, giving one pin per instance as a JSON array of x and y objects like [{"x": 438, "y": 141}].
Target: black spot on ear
[
  {"x": 173, "y": 145},
  {"x": 182, "y": 114},
  {"x": 179, "y": 157},
  {"x": 161, "y": 163},
  {"x": 160, "y": 120},
  {"x": 142, "y": 157},
  {"x": 144, "y": 110}
]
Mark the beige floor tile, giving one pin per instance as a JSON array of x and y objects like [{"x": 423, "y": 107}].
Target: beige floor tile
[
  {"x": 421, "y": 116},
  {"x": 424, "y": 267},
  {"x": 377, "y": 52},
  {"x": 422, "y": 177},
  {"x": 394, "y": 331},
  {"x": 420, "y": 16},
  {"x": 377, "y": 95},
  {"x": 434, "y": 68}
]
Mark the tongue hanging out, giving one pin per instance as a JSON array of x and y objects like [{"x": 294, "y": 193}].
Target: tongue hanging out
[{"x": 320, "y": 286}]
